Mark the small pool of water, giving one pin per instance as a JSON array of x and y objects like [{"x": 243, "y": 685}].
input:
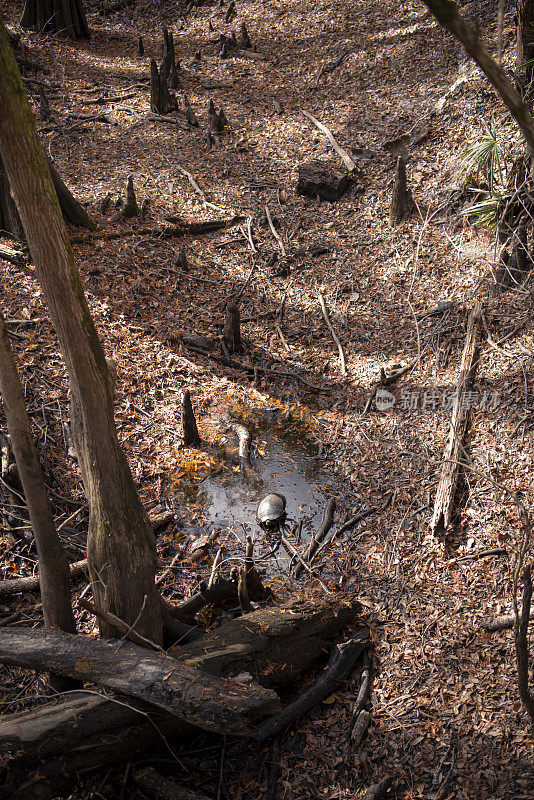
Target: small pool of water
[{"x": 284, "y": 460}]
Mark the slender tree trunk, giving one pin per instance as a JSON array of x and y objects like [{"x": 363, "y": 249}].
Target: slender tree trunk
[
  {"x": 65, "y": 17},
  {"x": 525, "y": 38},
  {"x": 448, "y": 15},
  {"x": 121, "y": 543},
  {"x": 54, "y": 577}
]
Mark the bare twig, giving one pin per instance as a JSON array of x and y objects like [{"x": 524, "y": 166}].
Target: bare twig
[
  {"x": 275, "y": 232},
  {"x": 334, "y": 334},
  {"x": 344, "y": 156}
]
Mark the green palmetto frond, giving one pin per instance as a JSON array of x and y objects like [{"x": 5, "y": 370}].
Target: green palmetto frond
[
  {"x": 486, "y": 211},
  {"x": 486, "y": 158}
]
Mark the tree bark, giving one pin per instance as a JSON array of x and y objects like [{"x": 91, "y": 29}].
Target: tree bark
[
  {"x": 71, "y": 209},
  {"x": 203, "y": 700},
  {"x": 9, "y": 219},
  {"x": 525, "y": 38},
  {"x": 402, "y": 203},
  {"x": 447, "y": 14},
  {"x": 121, "y": 544},
  {"x": 53, "y": 565},
  {"x": 161, "y": 100},
  {"x": 189, "y": 423},
  {"x": 65, "y": 17},
  {"x": 444, "y": 503},
  {"x": 86, "y": 732}
]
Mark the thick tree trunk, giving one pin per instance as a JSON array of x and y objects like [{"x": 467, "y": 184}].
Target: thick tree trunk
[
  {"x": 53, "y": 565},
  {"x": 121, "y": 544},
  {"x": 9, "y": 218},
  {"x": 65, "y": 17},
  {"x": 525, "y": 38},
  {"x": 84, "y": 732}
]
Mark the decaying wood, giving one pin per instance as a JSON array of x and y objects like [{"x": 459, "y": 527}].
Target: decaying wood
[
  {"x": 522, "y": 646},
  {"x": 154, "y": 785},
  {"x": 15, "y": 257},
  {"x": 319, "y": 179},
  {"x": 88, "y": 731},
  {"x": 130, "y": 209},
  {"x": 170, "y": 120},
  {"x": 334, "y": 334},
  {"x": 193, "y": 696},
  {"x": 402, "y": 203},
  {"x": 342, "y": 660},
  {"x": 189, "y": 423},
  {"x": 344, "y": 156},
  {"x": 232, "y": 329},
  {"x": 501, "y": 623},
  {"x": 360, "y": 728},
  {"x": 244, "y": 438},
  {"x": 317, "y": 538},
  {"x": 444, "y": 503}
]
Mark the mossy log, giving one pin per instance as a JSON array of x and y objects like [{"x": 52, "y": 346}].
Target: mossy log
[{"x": 88, "y": 731}]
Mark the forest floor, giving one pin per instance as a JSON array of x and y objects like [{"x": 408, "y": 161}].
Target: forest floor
[{"x": 446, "y": 718}]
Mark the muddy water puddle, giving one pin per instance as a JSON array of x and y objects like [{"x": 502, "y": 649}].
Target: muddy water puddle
[{"x": 284, "y": 459}]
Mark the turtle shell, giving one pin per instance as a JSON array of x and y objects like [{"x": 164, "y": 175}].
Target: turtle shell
[{"x": 271, "y": 510}]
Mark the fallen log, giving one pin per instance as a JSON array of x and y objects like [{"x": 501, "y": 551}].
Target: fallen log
[
  {"x": 163, "y": 681},
  {"x": 342, "y": 659},
  {"x": 87, "y": 730},
  {"x": 444, "y": 503},
  {"x": 31, "y": 584},
  {"x": 502, "y": 623},
  {"x": 77, "y": 569},
  {"x": 317, "y": 538},
  {"x": 153, "y": 784}
]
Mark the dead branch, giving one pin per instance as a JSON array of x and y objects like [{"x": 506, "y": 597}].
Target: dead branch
[
  {"x": 344, "y": 156},
  {"x": 334, "y": 334},
  {"x": 444, "y": 503},
  {"x": 501, "y": 623},
  {"x": 343, "y": 657},
  {"x": 317, "y": 538},
  {"x": 275, "y": 232},
  {"x": 119, "y": 624}
]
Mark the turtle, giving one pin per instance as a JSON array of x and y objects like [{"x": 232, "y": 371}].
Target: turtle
[{"x": 271, "y": 513}]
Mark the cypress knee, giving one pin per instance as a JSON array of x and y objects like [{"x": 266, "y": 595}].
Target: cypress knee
[
  {"x": 189, "y": 423},
  {"x": 232, "y": 329}
]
